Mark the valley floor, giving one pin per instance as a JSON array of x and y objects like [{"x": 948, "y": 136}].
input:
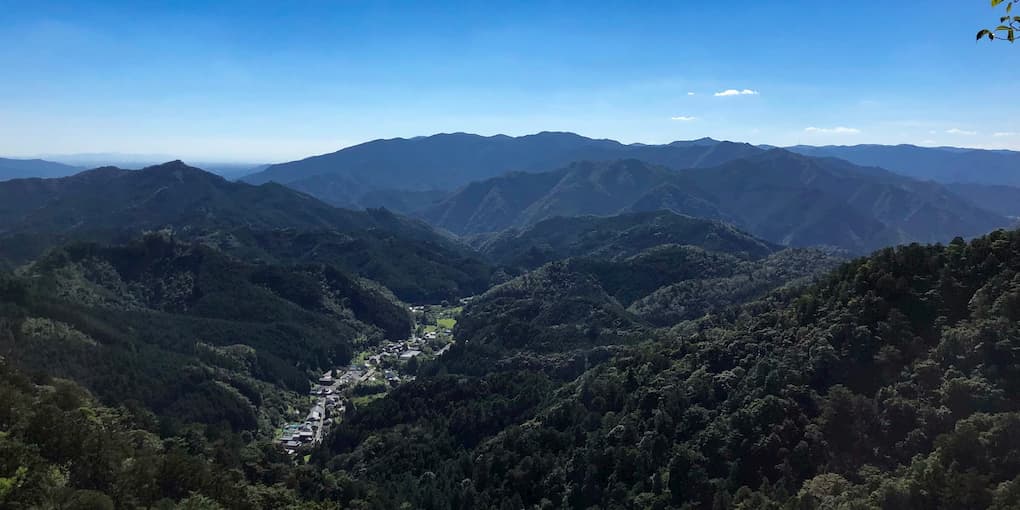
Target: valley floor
[{"x": 373, "y": 372}]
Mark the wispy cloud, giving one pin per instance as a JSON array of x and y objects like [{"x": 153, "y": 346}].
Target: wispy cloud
[
  {"x": 958, "y": 131},
  {"x": 1002, "y": 134},
  {"x": 683, "y": 118},
  {"x": 838, "y": 130},
  {"x": 735, "y": 92},
  {"x": 690, "y": 93}
]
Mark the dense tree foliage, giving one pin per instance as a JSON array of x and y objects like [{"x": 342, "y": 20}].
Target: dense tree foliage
[
  {"x": 416, "y": 270},
  {"x": 730, "y": 284},
  {"x": 59, "y": 448},
  {"x": 890, "y": 384},
  {"x": 186, "y": 331},
  {"x": 614, "y": 237}
]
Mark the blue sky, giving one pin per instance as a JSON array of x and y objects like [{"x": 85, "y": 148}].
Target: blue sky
[{"x": 273, "y": 81}]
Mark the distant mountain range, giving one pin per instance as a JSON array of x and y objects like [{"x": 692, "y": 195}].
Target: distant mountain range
[
  {"x": 115, "y": 205},
  {"x": 19, "y": 168},
  {"x": 70, "y": 164},
  {"x": 777, "y": 195},
  {"x": 446, "y": 162},
  {"x": 1004, "y": 200},
  {"x": 406, "y": 174},
  {"x": 449, "y": 161},
  {"x": 942, "y": 164},
  {"x": 171, "y": 194},
  {"x": 470, "y": 184}
]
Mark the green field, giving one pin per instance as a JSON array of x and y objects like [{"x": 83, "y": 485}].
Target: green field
[
  {"x": 447, "y": 323},
  {"x": 365, "y": 400}
]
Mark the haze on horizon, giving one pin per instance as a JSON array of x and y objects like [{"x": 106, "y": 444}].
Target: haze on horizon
[{"x": 264, "y": 82}]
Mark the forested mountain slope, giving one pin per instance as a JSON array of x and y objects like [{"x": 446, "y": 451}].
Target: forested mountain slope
[
  {"x": 60, "y": 448},
  {"x": 614, "y": 237},
  {"x": 350, "y": 176},
  {"x": 417, "y": 271},
  {"x": 187, "y": 332},
  {"x": 110, "y": 204},
  {"x": 154, "y": 374},
  {"x": 579, "y": 189},
  {"x": 798, "y": 201},
  {"x": 778, "y": 196},
  {"x": 892, "y": 383}
]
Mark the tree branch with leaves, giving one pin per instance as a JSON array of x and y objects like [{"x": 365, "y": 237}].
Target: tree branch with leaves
[{"x": 1008, "y": 25}]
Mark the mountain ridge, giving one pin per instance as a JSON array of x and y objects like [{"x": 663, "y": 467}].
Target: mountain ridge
[
  {"x": 448, "y": 161},
  {"x": 771, "y": 194},
  {"x": 942, "y": 164},
  {"x": 614, "y": 237},
  {"x": 12, "y": 168},
  {"x": 451, "y": 160},
  {"x": 109, "y": 204}
]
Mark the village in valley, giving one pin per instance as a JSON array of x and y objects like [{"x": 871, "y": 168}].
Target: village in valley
[{"x": 371, "y": 374}]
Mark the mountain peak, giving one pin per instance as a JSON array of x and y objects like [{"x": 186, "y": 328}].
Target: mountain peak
[
  {"x": 171, "y": 165},
  {"x": 700, "y": 142},
  {"x": 780, "y": 154},
  {"x": 180, "y": 170}
]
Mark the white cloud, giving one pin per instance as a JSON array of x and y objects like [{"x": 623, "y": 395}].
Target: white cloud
[
  {"x": 958, "y": 131},
  {"x": 683, "y": 118},
  {"x": 1002, "y": 134},
  {"x": 690, "y": 93},
  {"x": 735, "y": 92},
  {"x": 838, "y": 130}
]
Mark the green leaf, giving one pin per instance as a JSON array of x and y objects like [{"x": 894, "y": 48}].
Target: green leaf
[{"x": 996, "y": 2}]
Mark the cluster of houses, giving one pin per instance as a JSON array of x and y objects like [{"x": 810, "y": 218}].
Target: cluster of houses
[
  {"x": 328, "y": 389},
  {"x": 297, "y": 435},
  {"x": 333, "y": 381},
  {"x": 401, "y": 350}
]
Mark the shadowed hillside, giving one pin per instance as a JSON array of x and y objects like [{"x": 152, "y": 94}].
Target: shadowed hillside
[
  {"x": 778, "y": 196},
  {"x": 614, "y": 237},
  {"x": 350, "y": 177},
  {"x": 884, "y": 385},
  {"x": 110, "y": 204}
]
